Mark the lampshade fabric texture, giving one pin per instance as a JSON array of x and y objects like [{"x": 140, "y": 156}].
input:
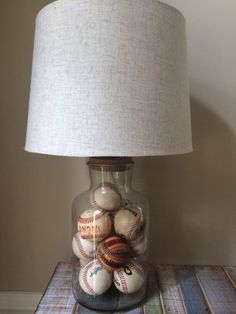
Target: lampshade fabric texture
[{"x": 109, "y": 78}]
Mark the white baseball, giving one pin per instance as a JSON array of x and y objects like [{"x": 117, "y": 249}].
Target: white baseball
[
  {"x": 82, "y": 248},
  {"x": 128, "y": 222},
  {"x": 130, "y": 278},
  {"x": 84, "y": 262},
  {"x": 94, "y": 225},
  {"x": 106, "y": 196},
  {"x": 139, "y": 246},
  {"x": 94, "y": 279}
]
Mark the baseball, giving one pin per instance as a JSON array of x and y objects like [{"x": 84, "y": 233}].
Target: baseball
[
  {"x": 82, "y": 248},
  {"x": 130, "y": 278},
  {"x": 106, "y": 196},
  {"x": 113, "y": 253},
  {"x": 94, "y": 225},
  {"x": 94, "y": 279},
  {"x": 84, "y": 262},
  {"x": 140, "y": 245},
  {"x": 128, "y": 222}
]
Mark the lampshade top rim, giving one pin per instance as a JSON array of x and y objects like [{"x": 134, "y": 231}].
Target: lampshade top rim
[{"x": 54, "y": 3}]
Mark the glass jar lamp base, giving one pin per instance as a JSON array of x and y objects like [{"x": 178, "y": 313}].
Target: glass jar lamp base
[{"x": 110, "y": 239}]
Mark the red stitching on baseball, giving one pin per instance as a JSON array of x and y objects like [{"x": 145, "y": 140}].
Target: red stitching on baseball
[
  {"x": 85, "y": 272},
  {"x": 104, "y": 184},
  {"x": 82, "y": 251},
  {"x": 137, "y": 269},
  {"x": 132, "y": 229},
  {"x": 122, "y": 280}
]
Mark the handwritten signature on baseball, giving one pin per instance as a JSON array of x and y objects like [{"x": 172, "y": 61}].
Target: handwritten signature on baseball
[{"x": 95, "y": 271}]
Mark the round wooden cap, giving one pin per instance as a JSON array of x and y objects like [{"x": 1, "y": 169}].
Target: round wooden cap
[{"x": 110, "y": 163}]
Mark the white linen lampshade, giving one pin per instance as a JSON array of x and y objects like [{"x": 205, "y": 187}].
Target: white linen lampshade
[{"x": 109, "y": 79}]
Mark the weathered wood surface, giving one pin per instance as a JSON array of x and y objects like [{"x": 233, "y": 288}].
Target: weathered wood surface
[
  {"x": 192, "y": 294},
  {"x": 172, "y": 289},
  {"x": 217, "y": 289}
]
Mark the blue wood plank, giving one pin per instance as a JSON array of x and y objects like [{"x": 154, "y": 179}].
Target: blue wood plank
[
  {"x": 191, "y": 291},
  {"x": 217, "y": 289}
]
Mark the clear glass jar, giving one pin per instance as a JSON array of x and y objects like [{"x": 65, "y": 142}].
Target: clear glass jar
[{"x": 110, "y": 239}]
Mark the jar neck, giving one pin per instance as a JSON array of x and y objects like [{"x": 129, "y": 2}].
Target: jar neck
[{"x": 119, "y": 174}]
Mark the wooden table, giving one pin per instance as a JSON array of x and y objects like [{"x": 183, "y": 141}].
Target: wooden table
[{"x": 172, "y": 289}]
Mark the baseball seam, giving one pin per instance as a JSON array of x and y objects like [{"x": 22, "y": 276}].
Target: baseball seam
[
  {"x": 137, "y": 269},
  {"x": 123, "y": 281},
  {"x": 81, "y": 249},
  {"x": 133, "y": 228},
  {"x": 105, "y": 184},
  {"x": 85, "y": 279}
]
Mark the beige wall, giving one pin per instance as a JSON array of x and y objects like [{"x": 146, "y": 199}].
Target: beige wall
[{"x": 192, "y": 197}]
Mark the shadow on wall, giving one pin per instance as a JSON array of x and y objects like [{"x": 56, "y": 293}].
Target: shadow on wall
[{"x": 192, "y": 197}]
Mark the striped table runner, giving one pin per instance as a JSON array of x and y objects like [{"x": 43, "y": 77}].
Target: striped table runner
[{"x": 172, "y": 289}]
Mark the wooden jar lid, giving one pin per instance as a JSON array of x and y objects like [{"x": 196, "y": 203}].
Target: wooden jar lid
[{"x": 110, "y": 163}]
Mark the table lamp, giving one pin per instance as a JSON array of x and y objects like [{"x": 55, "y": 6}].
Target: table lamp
[{"x": 109, "y": 82}]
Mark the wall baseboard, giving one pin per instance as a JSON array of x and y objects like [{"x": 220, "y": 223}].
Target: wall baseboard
[{"x": 19, "y": 301}]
